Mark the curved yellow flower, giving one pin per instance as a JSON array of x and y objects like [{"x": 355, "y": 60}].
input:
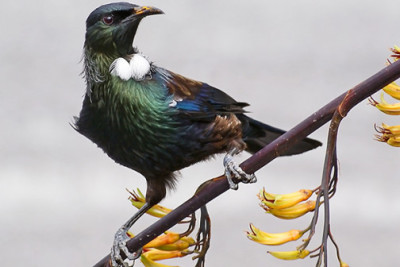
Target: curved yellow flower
[
  {"x": 281, "y": 201},
  {"x": 389, "y": 134},
  {"x": 273, "y": 238},
  {"x": 393, "y": 130},
  {"x": 156, "y": 254},
  {"x": 148, "y": 262},
  {"x": 293, "y": 212},
  {"x": 167, "y": 238},
  {"x": 385, "y": 107},
  {"x": 392, "y": 89},
  {"x": 180, "y": 244},
  {"x": 290, "y": 255},
  {"x": 166, "y": 246},
  {"x": 394, "y": 141}
]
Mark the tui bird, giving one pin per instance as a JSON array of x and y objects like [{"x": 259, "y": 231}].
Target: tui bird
[{"x": 152, "y": 120}]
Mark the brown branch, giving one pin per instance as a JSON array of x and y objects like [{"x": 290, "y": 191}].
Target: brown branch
[
  {"x": 329, "y": 178},
  {"x": 215, "y": 187}
]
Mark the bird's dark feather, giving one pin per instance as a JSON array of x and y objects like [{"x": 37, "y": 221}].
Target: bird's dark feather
[
  {"x": 197, "y": 99},
  {"x": 164, "y": 122},
  {"x": 99, "y": 12}
]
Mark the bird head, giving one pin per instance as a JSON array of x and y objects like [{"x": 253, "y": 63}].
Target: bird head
[{"x": 110, "y": 28}]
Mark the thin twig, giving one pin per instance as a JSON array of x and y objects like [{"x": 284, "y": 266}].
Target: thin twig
[
  {"x": 336, "y": 246},
  {"x": 329, "y": 179},
  {"x": 329, "y": 167}
]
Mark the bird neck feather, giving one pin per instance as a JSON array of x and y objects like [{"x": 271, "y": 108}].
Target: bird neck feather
[
  {"x": 142, "y": 99},
  {"x": 95, "y": 68}
]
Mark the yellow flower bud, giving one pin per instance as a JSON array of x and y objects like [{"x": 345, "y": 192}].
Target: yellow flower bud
[
  {"x": 343, "y": 264},
  {"x": 396, "y": 51},
  {"x": 156, "y": 254},
  {"x": 389, "y": 134},
  {"x": 391, "y": 109},
  {"x": 393, "y": 90},
  {"x": 165, "y": 239},
  {"x": 188, "y": 239},
  {"x": 393, "y": 130},
  {"x": 281, "y": 201},
  {"x": 295, "y": 211},
  {"x": 290, "y": 255},
  {"x": 273, "y": 239},
  {"x": 180, "y": 244},
  {"x": 394, "y": 141},
  {"x": 147, "y": 262},
  {"x": 138, "y": 200}
]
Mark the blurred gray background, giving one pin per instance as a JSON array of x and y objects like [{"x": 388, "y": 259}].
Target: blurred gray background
[{"x": 62, "y": 199}]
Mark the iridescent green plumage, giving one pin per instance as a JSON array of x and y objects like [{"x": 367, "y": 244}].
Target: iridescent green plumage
[
  {"x": 130, "y": 120},
  {"x": 150, "y": 119},
  {"x": 162, "y": 122}
]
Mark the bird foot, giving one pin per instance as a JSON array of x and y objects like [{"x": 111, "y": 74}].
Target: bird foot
[
  {"x": 234, "y": 173},
  {"x": 119, "y": 247}
]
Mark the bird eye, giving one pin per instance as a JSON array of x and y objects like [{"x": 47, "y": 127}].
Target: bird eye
[{"x": 108, "y": 19}]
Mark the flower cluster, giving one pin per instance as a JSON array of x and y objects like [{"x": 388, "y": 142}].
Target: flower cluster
[
  {"x": 287, "y": 206},
  {"x": 283, "y": 206},
  {"x": 166, "y": 246},
  {"x": 389, "y": 134}
]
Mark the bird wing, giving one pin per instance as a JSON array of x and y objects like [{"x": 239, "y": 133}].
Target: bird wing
[{"x": 197, "y": 99}]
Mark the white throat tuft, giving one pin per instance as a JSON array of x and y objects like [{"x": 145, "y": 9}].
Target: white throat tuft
[{"x": 137, "y": 68}]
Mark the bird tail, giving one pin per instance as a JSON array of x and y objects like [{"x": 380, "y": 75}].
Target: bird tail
[{"x": 257, "y": 135}]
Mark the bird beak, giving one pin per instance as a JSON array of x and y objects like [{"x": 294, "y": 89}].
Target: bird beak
[
  {"x": 146, "y": 11},
  {"x": 124, "y": 33}
]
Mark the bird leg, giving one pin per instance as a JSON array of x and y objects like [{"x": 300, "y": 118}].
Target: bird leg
[
  {"x": 234, "y": 174},
  {"x": 120, "y": 239}
]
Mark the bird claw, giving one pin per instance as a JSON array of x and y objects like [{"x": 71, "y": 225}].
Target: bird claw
[
  {"x": 119, "y": 245},
  {"x": 234, "y": 174}
]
